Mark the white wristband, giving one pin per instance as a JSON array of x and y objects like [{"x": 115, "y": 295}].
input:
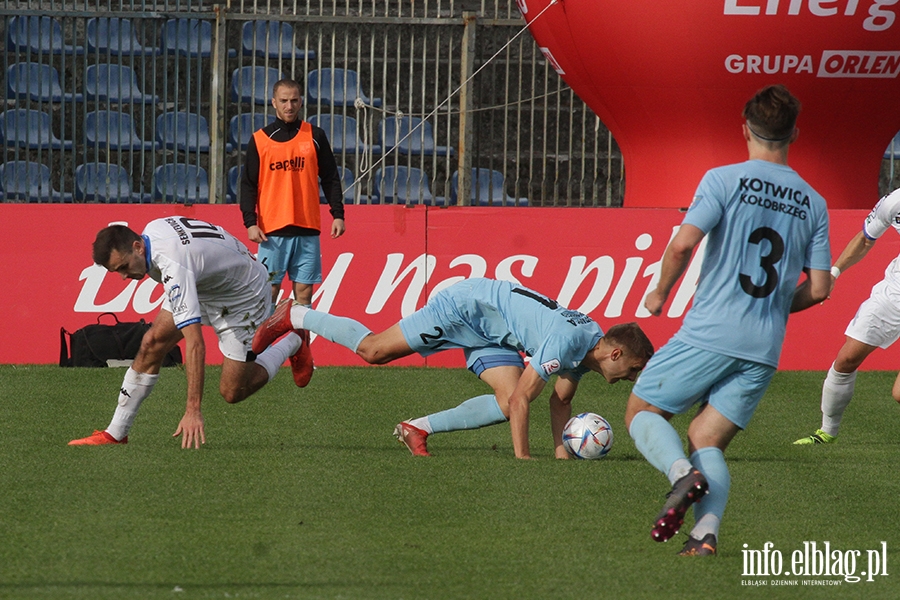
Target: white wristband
[{"x": 835, "y": 272}]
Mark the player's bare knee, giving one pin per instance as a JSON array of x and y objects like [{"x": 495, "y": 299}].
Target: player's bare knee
[
  {"x": 232, "y": 395},
  {"x": 373, "y": 356},
  {"x": 895, "y": 391},
  {"x": 371, "y": 352}
]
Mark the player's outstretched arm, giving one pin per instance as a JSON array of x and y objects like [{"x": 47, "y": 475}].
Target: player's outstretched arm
[
  {"x": 855, "y": 250},
  {"x": 191, "y": 425},
  {"x": 561, "y": 411},
  {"x": 529, "y": 387}
]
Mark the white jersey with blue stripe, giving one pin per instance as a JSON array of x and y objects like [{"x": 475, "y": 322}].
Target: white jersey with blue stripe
[
  {"x": 884, "y": 216},
  {"x": 200, "y": 266},
  {"x": 765, "y": 224}
]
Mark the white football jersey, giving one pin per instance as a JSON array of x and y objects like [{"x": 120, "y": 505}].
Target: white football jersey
[
  {"x": 204, "y": 270},
  {"x": 884, "y": 216}
]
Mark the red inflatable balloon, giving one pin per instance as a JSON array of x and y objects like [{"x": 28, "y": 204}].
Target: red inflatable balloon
[{"x": 670, "y": 80}]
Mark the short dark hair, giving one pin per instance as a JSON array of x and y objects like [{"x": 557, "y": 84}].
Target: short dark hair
[
  {"x": 772, "y": 114},
  {"x": 114, "y": 237},
  {"x": 287, "y": 83},
  {"x": 631, "y": 338}
]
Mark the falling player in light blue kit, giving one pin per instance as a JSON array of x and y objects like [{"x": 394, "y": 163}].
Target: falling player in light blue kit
[
  {"x": 493, "y": 322},
  {"x": 766, "y": 226}
]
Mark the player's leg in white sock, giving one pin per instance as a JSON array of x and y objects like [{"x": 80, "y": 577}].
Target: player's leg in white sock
[
  {"x": 135, "y": 388},
  {"x": 837, "y": 390},
  {"x": 275, "y": 355}
]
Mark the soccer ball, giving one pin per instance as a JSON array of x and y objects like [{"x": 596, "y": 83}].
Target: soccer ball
[{"x": 588, "y": 436}]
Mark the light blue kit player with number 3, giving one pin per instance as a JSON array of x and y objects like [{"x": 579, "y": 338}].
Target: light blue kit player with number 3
[
  {"x": 208, "y": 277},
  {"x": 765, "y": 226},
  {"x": 493, "y": 322}
]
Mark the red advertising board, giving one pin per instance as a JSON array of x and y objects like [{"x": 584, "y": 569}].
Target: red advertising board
[
  {"x": 670, "y": 80},
  {"x": 600, "y": 261}
]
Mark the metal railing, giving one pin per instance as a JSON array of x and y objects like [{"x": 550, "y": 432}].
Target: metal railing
[
  {"x": 466, "y": 68},
  {"x": 515, "y": 116}
]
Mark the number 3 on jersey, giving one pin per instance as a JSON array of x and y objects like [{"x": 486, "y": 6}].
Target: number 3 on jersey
[{"x": 767, "y": 262}]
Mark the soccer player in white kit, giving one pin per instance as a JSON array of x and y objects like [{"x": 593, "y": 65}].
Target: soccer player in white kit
[
  {"x": 210, "y": 278},
  {"x": 875, "y": 325}
]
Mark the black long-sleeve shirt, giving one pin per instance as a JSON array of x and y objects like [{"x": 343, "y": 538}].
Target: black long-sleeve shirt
[{"x": 329, "y": 176}]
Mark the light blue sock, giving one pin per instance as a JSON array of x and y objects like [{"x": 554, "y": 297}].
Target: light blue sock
[
  {"x": 711, "y": 462},
  {"x": 340, "y": 330},
  {"x": 476, "y": 412},
  {"x": 657, "y": 440}
]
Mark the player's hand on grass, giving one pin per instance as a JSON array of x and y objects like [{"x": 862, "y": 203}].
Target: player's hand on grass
[
  {"x": 191, "y": 426},
  {"x": 561, "y": 453}
]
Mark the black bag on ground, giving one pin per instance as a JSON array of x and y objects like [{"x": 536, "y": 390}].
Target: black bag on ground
[{"x": 93, "y": 345}]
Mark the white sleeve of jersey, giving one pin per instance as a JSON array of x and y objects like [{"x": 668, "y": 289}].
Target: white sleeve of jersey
[
  {"x": 180, "y": 289},
  {"x": 885, "y": 215}
]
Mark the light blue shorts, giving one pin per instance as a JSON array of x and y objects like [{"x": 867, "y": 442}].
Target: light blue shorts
[
  {"x": 299, "y": 256},
  {"x": 441, "y": 325},
  {"x": 679, "y": 376}
]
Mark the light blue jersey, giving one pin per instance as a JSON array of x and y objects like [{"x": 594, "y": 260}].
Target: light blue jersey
[
  {"x": 479, "y": 314},
  {"x": 764, "y": 225}
]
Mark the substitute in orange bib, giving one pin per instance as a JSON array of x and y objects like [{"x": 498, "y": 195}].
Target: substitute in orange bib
[{"x": 283, "y": 166}]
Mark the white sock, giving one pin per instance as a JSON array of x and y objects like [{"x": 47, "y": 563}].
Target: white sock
[
  {"x": 298, "y": 311},
  {"x": 275, "y": 355},
  {"x": 836, "y": 394},
  {"x": 708, "y": 523},
  {"x": 422, "y": 423},
  {"x": 135, "y": 388},
  {"x": 679, "y": 469}
]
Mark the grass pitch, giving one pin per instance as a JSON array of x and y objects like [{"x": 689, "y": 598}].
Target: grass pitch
[{"x": 305, "y": 494}]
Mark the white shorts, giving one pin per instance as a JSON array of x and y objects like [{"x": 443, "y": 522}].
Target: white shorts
[
  {"x": 235, "y": 327},
  {"x": 235, "y": 318},
  {"x": 877, "y": 320}
]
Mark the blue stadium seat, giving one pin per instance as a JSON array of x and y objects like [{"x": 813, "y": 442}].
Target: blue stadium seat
[
  {"x": 117, "y": 37},
  {"x": 488, "y": 189},
  {"x": 232, "y": 184},
  {"x": 190, "y": 38},
  {"x": 31, "y": 129},
  {"x": 336, "y": 87},
  {"x": 39, "y": 35},
  {"x": 184, "y": 184},
  {"x": 188, "y": 132},
  {"x": 38, "y": 82},
  {"x": 25, "y": 181},
  {"x": 404, "y": 185},
  {"x": 347, "y": 182},
  {"x": 242, "y": 127},
  {"x": 114, "y": 83},
  {"x": 271, "y": 39},
  {"x": 254, "y": 84},
  {"x": 100, "y": 182},
  {"x": 114, "y": 130},
  {"x": 393, "y": 130},
  {"x": 342, "y": 134},
  {"x": 893, "y": 149}
]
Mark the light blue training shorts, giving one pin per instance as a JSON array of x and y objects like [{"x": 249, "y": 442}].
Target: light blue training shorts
[
  {"x": 680, "y": 375},
  {"x": 299, "y": 256}
]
